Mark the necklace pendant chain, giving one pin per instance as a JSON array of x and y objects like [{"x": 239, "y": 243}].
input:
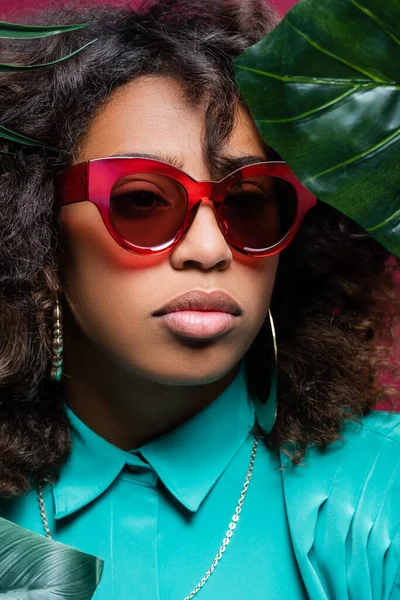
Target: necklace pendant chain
[
  {"x": 225, "y": 542},
  {"x": 43, "y": 513},
  {"x": 232, "y": 525}
]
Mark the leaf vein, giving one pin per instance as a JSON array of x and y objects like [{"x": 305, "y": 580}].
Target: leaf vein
[
  {"x": 332, "y": 55},
  {"x": 379, "y": 146},
  {"x": 314, "y": 111},
  {"x": 371, "y": 15},
  {"x": 385, "y": 222},
  {"x": 322, "y": 81}
]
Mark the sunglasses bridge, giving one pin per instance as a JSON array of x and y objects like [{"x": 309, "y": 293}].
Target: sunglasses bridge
[{"x": 205, "y": 193}]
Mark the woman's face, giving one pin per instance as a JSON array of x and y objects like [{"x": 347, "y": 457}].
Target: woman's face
[{"x": 113, "y": 293}]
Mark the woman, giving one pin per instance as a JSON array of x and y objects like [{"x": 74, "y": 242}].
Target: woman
[{"x": 141, "y": 428}]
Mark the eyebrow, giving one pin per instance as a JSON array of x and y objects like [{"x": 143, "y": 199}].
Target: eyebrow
[
  {"x": 227, "y": 164},
  {"x": 172, "y": 160}
]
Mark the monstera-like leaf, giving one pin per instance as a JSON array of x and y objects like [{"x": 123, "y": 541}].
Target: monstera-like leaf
[
  {"x": 18, "y": 31},
  {"x": 8, "y": 134},
  {"x": 35, "y": 568},
  {"x": 5, "y": 68},
  {"x": 324, "y": 89}
]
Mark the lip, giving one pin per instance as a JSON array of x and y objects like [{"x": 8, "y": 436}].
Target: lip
[
  {"x": 201, "y": 301},
  {"x": 199, "y": 324}
]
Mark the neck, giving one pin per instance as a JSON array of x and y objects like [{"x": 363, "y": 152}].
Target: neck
[{"x": 124, "y": 407}]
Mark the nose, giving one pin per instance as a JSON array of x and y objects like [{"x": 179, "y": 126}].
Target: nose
[{"x": 204, "y": 244}]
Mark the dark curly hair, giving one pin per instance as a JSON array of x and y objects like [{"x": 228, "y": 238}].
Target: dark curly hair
[{"x": 331, "y": 282}]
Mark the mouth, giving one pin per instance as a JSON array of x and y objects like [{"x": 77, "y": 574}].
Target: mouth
[
  {"x": 201, "y": 301},
  {"x": 200, "y": 315}
]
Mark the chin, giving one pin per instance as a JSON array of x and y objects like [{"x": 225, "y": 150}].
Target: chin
[{"x": 181, "y": 372}]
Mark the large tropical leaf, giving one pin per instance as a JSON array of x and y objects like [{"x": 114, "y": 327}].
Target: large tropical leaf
[
  {"x": 5, "y": 68},
  {"x": 324, "y": 89},
  {"x": 35, "y": 568},
  {"x": 18, "y": 31}
]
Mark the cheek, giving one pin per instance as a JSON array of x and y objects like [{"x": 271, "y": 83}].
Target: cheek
[
  {"x": 86, "y": 241},
  {"x": 107, "y": 287},
  {"x": 257, "y": 279}
]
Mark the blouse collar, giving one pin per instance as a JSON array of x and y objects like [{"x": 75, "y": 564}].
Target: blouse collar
[{"x": 208, "y": 441}]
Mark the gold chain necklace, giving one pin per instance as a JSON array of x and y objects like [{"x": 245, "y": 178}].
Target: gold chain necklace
[{"x": 225, "y": 541}]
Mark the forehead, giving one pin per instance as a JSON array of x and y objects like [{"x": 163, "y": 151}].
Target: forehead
[{"x": 152, "y": 115}]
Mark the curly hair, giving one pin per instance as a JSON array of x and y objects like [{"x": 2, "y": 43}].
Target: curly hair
[{"x": 331, "y": 279}]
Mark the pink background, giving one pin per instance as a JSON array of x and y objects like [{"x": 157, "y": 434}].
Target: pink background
[
  {"x": 284, "y": 5},
  {"x": 6, "y": 6},
  {"x": 6, "y": 9}
]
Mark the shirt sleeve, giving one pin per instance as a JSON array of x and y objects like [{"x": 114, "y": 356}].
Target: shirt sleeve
[{"x": 344, "y": 514}]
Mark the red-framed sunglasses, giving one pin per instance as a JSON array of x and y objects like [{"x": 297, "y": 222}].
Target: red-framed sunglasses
[{"x": 148, "y": 205}]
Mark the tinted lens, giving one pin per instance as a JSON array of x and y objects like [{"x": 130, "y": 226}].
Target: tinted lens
[
  {"x": 259, "y": 211},
  {"x": 147, "y": 209}
]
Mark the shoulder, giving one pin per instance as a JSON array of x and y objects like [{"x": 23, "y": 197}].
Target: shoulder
[
  {"x": 376, "y": 424},
  {"x": 373, "y": 442},
  {"x": 367, "y": 461},
  {"x": 367, "y": 446},
  {"x": 369, "y": 454},
  {"x": 370, "y": 443},
  {"x": 362, "y": 468},
  {"x": 344, "y": 510}
]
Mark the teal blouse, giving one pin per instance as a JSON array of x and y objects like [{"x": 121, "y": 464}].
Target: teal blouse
[{"x": 157, "y": 515}]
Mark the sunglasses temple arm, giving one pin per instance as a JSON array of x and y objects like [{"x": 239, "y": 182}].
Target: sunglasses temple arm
[{"x": 71, "y": 186}]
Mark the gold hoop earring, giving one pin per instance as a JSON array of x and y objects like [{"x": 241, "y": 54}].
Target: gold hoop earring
[
  {"x": 57, "y": 343},
  {"x": 266, "y": 412}
]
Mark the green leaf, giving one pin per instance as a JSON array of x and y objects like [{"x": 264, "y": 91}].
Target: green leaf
[
  {"x": 17, "y": 31},
  {"x": 4, "y": 68},
  {"x": 33, "y": 567},
  {"x": 324, "y": 89},
  {"x": 13, "y": 136}
]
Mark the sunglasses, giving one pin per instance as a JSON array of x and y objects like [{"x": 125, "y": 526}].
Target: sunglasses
[{"x": 148, "y": 205}]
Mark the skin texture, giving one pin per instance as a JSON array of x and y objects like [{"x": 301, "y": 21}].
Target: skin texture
[{"x": 128, "y": 377}]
